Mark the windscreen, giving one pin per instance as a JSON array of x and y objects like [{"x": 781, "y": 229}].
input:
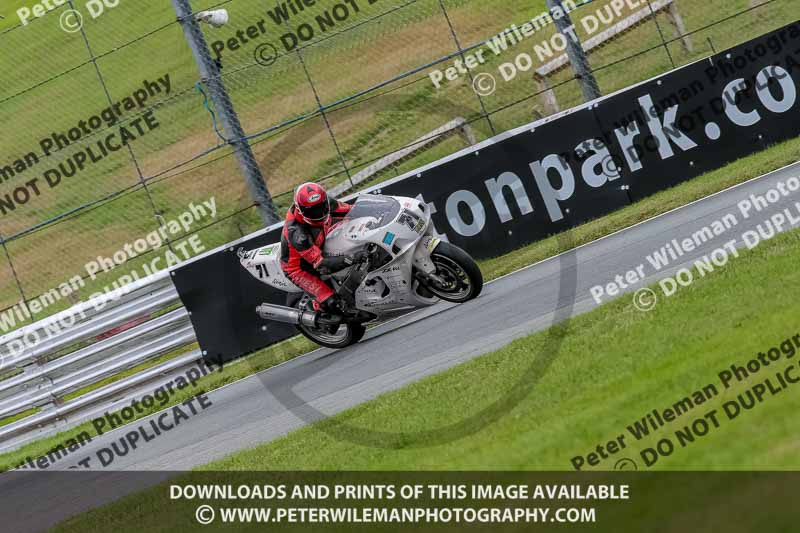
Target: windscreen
[{"x": 380, "y": 210}]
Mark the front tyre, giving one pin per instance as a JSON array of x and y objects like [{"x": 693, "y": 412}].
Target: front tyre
[
  {"x": 346, "y": 335},
  {"x": 459, "y": 279}
]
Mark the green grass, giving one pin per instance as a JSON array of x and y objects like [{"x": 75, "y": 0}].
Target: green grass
[
  {"x": 130, "y": 372},
  {"x": 547, "y": 407},
  {"x": 19, "y": 416}
]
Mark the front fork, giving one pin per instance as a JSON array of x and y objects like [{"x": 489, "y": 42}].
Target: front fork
[{"x": 424, "y": 267}]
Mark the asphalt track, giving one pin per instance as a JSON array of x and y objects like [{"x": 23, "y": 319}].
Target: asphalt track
[{"x": 278, "y": 400}]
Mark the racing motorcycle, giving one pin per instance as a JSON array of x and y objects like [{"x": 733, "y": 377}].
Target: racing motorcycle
[{"x": 399, "y": 265}]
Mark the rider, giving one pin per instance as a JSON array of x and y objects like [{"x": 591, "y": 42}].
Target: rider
[{"x": 307, "y": 223}]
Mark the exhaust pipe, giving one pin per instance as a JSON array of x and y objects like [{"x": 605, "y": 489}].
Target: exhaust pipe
[{"x": 287, "y": 315}]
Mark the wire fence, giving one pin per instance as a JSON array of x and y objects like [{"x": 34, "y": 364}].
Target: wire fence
[{"x": 108, "y": 133}]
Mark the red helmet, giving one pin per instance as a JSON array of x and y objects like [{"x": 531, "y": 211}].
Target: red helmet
[{"x": 311, "y": 201}]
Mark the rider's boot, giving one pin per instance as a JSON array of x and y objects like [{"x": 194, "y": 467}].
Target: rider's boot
[{"x": 329, "y": 313}]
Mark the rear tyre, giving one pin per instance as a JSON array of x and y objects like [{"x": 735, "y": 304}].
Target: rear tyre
[
  {"x": 463, "y": 280},
  {"x": 346, "y": 335}
]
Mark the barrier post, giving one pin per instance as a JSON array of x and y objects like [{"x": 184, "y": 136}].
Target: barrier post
[
  {"x": 575, "y": 51},
  {"x": 675, "y": 18}
]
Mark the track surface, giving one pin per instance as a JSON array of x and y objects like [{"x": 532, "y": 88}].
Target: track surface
[{"x": 276, "y": 401}]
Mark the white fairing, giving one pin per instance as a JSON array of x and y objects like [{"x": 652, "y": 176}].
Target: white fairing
[
  {"x": 265, "y": 265},
  {"x": 398, "y": 225}
]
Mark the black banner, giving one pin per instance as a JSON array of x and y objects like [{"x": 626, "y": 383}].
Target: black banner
[{"x": 552, "y": 175}]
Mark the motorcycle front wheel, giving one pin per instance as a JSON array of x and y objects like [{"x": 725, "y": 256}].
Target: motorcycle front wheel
[
  {"x": 346, "y": 335},
  {"x": 461, "y": 279}
]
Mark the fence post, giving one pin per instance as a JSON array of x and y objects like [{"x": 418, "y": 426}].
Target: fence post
[
  {"x": 468, "y": 134},
  {"x": 457, "y": 42},
  {"x": 210, "y": 75},
  {"x": 549, "y": 100},
  {"x": 23, "y": 299},
  {"x": 575, "y": 52},
  {"x": 675, "y": 18}
]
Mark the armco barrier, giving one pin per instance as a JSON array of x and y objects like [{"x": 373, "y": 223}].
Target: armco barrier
[
  {"x": 65, "y": 360},
  {"x": 551, "y": 175}
]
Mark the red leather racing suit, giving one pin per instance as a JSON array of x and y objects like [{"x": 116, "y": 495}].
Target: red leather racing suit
[{"x": 301, "y": 249}]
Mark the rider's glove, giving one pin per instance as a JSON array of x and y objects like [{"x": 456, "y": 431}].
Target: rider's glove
[
  {"x": 360, "y": 256},
  {"x": 334, "y": 264}
]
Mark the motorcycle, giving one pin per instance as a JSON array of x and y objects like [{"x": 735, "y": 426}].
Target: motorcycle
[{"x": 399, "y": 265}]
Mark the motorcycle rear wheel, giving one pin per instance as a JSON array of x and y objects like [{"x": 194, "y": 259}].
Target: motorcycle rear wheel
[{"x": 347, "y": 335}]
